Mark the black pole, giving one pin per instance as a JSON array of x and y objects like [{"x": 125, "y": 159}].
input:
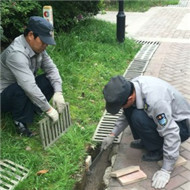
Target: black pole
[{"x": 121, "y": 22}]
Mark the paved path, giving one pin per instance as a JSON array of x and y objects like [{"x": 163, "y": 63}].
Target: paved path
[{"x": 171, "y": 62}]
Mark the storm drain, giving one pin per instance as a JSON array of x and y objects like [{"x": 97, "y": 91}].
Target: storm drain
[
  {"x": 136, "y": 68},
  {"x": 50, "y": 132},
  {"x": 139, "y": 64},
  {"x": 105, "y": 127},
  {"x": 11, "y": 174}
]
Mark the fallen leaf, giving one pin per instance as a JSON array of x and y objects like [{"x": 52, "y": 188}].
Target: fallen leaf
[
  {"x": 42, "y": 172},
  {"x": 28, "y": 148}
]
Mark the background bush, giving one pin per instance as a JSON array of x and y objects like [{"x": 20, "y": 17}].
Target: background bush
[
  {"x": 15, "y": 16},
  {"x": 66, "y": 14}
]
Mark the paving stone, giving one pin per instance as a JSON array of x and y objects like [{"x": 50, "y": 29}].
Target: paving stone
[
  {"x": 180, "y": 161},
  {"x": 124, "y": 171},
  {"x": 132, "y": 177},
  {"x": 186, "y": 174},
  {"x": 147, "y": 184},
  {"x": 186, "y": 186},
  {"x": 175, "y": 182},
  {"x": 178, "y": 171},
  {"x": 187, "y": 165},
  {"x": 186, "y": 154},
  {"x": 181, "y": 149},
  {"x": 186, "y": 146},
  {"x": 116, "y": 188},
  {"x": 127, "y": 188}
]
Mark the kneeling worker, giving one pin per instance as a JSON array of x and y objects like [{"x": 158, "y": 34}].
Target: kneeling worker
[
  {"x": 158, "y": 115},
  {"x": 23, "y": 93}
]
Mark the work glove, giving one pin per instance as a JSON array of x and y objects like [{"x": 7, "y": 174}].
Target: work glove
[
  {"x": 107, "y": 142},
  {"x": 160, "y": 179},
  {"x": 53, "y": 114},
  {"x": 58, "y": 101}
]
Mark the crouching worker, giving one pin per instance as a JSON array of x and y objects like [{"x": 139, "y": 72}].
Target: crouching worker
[
  {"x": 158, "y": 115},
  {"x": 23, "y": 93}
]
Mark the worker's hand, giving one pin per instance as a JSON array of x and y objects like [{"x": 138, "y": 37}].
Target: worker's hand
[
  {"x": 107, "y": 142},
  {"x": 160, "y": 179},
  {"x": 58, "y": 101},
  {"x": 53, "y": 114}
]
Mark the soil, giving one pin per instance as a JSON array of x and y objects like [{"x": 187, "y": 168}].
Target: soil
[{"x": 93, "y": 180}]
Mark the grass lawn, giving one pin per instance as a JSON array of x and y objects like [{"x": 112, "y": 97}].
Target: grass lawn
[{"x": 87, "y": 58}]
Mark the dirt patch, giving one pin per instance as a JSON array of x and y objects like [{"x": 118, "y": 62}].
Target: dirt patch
[{"x": 93, "y": 180}]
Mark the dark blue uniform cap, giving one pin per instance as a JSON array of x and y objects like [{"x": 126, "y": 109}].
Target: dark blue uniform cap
[
  {"x": 116, "y": 93},
  {"x": 43, "y": 28}
]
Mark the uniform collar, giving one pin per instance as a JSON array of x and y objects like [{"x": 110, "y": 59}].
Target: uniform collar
[
  {"x": 139, "y": 98},
  {"x": 27, "y": 47}
]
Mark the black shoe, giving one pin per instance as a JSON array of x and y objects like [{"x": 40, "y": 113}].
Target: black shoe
[
  {"x": 22, "y": 129},
  {"x": 137, "y": 144},
  {"x": 153, "y": 156}
]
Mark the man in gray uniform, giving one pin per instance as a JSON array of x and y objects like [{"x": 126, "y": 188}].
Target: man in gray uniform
[
  {"x": 23, "y": 93},
  {"x": 158, "y": 115}
]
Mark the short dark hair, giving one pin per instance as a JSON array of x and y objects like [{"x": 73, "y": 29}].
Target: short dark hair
[{"x": 26, "y": 31}]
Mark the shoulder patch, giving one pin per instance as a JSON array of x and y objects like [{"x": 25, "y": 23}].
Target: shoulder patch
[
  {"x": 162, "y": 120},
  {"x": 146, "y": 106}
]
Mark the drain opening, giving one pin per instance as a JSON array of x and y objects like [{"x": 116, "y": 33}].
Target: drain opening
[{"x": 93, "y": 180}]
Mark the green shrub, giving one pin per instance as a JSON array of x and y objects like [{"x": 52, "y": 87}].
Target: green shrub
[
  {"x": 68, "y": 13},
  {"x": 16, "y": 13},
  {"x": 15, "y": 16}
]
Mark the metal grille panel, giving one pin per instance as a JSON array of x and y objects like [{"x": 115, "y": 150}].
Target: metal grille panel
[
  {"x": 50, "y": 132},
  {"x": 136, "y": 68},
  {"x": 11, "y": 174},
  {"x": 105, "y": 127}
]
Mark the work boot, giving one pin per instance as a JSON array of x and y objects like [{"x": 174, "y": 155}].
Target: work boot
[
  {"x": 153, "y": 156},
  {"x": 22, "y": 129},
  {"x": 137, "y": 144}
]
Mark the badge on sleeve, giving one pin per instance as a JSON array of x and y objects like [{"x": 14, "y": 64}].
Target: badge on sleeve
[
  {"x": 146, "y": 106},
  {"x": 162, "y": 120}
]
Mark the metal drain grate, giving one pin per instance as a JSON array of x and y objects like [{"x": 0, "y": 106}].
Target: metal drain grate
[
  {"x": 136, "y": 68},
  {"x": 11, "y": 174},
  {"x": 146, "y": 52},
  {"x": 139, "y": 64},
  {"x": 105, "y": 127},
  {"x": 50, "y": 132}
]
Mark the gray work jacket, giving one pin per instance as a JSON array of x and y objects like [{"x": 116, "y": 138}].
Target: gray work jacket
[
  {"x": 165, "y": 105},
  {"x": 19, "y": 64}
]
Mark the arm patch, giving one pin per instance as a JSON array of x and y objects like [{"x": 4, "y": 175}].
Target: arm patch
[{"x": 162, "y": 120}]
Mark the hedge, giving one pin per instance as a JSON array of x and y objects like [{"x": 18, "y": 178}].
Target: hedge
[{"x": 15, "y": 15}]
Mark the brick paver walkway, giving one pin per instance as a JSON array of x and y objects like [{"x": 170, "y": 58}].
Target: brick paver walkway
[{"x": 171, "y": 62}]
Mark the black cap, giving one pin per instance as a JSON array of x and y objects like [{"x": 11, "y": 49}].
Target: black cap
[
  {"x": 43, "y": 28},
  {"x": 116, "y": 93}
]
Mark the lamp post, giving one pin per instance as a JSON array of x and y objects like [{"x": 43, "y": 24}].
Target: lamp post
[{"x": 121, "y": 22}]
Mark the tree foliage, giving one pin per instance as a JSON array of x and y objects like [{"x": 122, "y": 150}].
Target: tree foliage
[{"x": 66, "y": 14}]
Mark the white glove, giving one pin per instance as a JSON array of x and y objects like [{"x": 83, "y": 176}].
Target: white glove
[
  {"x": 53, "y": 114},
  {"x": 160, "y": 179},
  {"x": 107, "y": 142},
  {"x": 58, "y": 101}
]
